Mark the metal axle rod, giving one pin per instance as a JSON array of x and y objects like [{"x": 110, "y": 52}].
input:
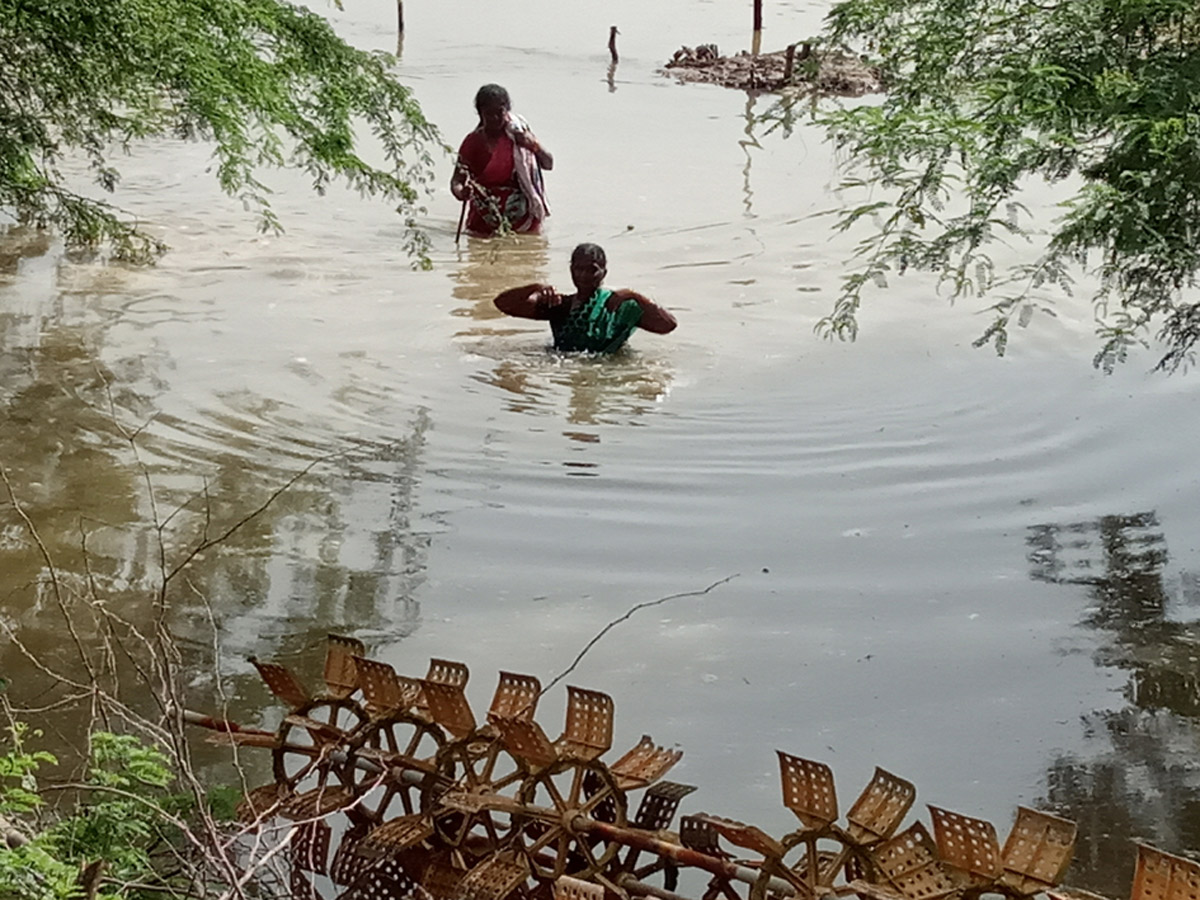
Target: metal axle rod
[
  {"x": 222, "y": 725},
  {"x": 629, "y": 837},
  {"x": 414, "y": 773},
  {"x": 641, "y": 889},
  {"x": 685, "y": 856}
]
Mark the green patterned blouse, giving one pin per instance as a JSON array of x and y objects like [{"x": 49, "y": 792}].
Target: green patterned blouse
[{"x": 592, "y": 327}]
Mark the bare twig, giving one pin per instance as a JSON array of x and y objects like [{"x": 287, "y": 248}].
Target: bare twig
[
  {"x": 83, "y": 688},
  {"x": 206, "y": 543},
  {"x": 156, "y": 808},
  {"x": 54, "y": 582},
  {"x": 617, "y": 621},
  {"x": 207, "y": 857},
  {"x": 62, "y": 703},
  {"x": 138, "y": 887}
]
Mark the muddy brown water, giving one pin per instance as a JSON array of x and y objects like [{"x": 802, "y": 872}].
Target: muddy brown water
[{"x": 978, "y": 573}]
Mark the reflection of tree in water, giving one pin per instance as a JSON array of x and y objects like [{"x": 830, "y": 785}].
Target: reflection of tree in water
[
  {"x": 20, "y": 242},
  {"x": 1119, "y": 557},
  {"x": 600, "y": 388},
  {"x": 1135, "y": 786},
  {"x": 343, "y": 555},
  {"x": 337, "y": 551},
  {"x": 1142, "y": 782},
  {"x": 750, "y": 142}
]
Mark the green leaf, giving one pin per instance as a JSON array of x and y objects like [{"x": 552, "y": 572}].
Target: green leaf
[
  {"x": 987, "y": 99},
  {"x": 266, "y": 83}
]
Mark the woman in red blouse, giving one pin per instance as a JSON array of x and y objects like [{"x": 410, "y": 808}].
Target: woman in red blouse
[{"x": 499, "y": 169}]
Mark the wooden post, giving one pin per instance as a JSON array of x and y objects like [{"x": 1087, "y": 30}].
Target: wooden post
[
  {"x": 612, "y": 42},
  {"x": 756, "y": 46},
  {"x": 462, "y": 217},
  {"x": 400, "y": 15},
  {"x": 788, "y": 61}
]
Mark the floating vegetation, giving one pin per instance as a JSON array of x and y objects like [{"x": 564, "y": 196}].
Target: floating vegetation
[{"x": 800, "y": 66}]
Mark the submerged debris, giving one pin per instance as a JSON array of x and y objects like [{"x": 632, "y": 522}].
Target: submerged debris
[{"x": 830, "y": 72}]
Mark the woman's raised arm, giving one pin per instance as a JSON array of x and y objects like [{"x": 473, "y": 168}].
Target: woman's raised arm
[{"x": 529, "y": 301}]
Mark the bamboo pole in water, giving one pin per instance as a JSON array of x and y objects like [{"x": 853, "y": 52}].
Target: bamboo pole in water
[
  {"x": 757, "y": 44},
  {"x": 612, "y": 42},
  {"x": 400, "y": 15}
]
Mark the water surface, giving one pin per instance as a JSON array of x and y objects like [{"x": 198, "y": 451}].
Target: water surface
[{"x": 976, "y": 572}]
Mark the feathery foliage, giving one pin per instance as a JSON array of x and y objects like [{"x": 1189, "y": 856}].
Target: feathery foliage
[
  {"x": 989, "y": 98},
  {"x": 124, "y": 822},
  {"x": 269, "y": 83}
]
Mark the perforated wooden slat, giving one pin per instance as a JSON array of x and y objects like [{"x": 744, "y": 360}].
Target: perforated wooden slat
[
  {"x": 348, "y": 864},
  {"x": 341, "y": 675},
  {"x": 749, "y": 837},
  {"x": 442, "y": 879},
  {"x": 448, "y": 706},
  {"x": 589, "y": 729},
  {"x": 1037, "y": 851},
  {"x": 282, "y": 683},
  {"x": 908, "y": 863},
  {"x": 301, "y": 886},
  {"x": 880, "y": 808},
  {"x": 494, "y": 878},
  {"x": 659, "y": 805},
  {"x": 381, "y": 687},
  {"x": 645, "y": 763},
  {"x": 445, "y": 671},
  {"x": 568, "y": 888},
  {"x": 396, "y": 835},
  {"x": 310, "y": 847},
  {"x": 966, "y": 843},
  {"x": 385, "y": 880},
  {"x": 320, "y": 801},
  {"x": 697, "y": 833},
  {"x": 262, "y": 801},
  {"x": 808, "y": 790},
  {"x": 516, "y": 697},
  {"x": 414, "y": 693},
  {"x": 526, "y": 741},
  {"x": 1163, "y": 876}
]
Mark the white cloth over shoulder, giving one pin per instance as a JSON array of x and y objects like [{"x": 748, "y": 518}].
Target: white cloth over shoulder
[{"x": 529, "y": 173}]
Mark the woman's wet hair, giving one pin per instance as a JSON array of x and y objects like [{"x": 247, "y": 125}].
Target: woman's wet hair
[
  {"x": 491, "y": 95},
  {"x": 591, "y": 253}
]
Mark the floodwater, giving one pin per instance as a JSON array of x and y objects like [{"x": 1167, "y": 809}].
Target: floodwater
[{"x": 979, "y": 573}]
